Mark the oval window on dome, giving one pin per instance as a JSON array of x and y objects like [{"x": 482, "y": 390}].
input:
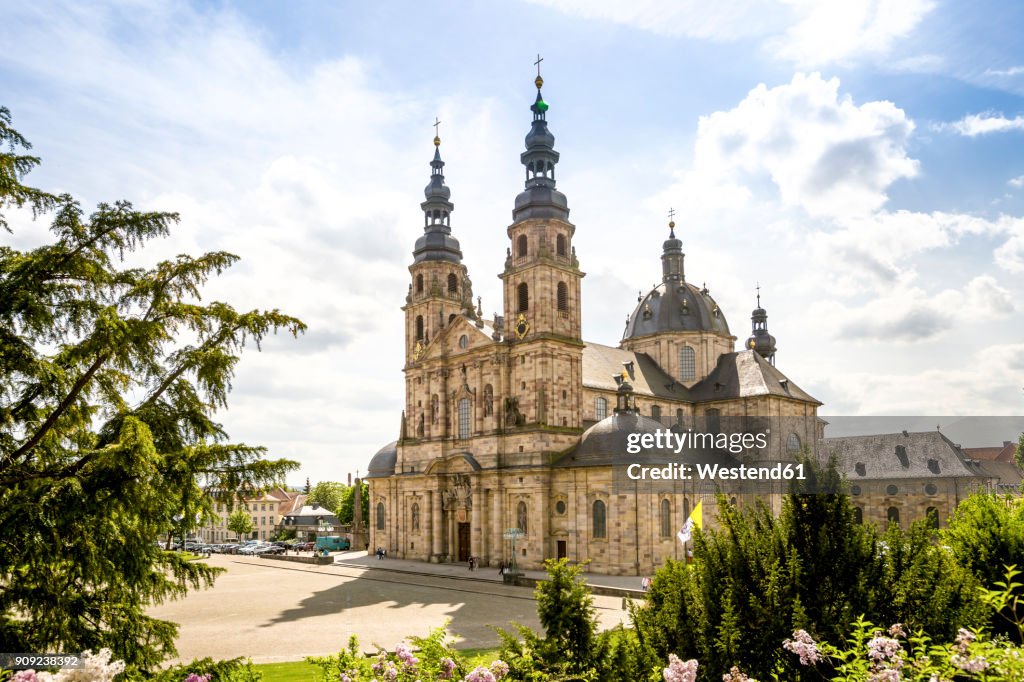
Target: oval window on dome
[
  {"x": 560, "y": 507},
  {"x": 463, "y": 341}
]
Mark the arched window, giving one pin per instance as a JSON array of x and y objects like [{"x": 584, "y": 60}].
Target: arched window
[
  {"x": 453, "y": 284},
  {"x": 380, "y": 516},
  {"x": 666, "y": 519},
  {"x": 932, "y": 514},
  {"x": 521, "y": 519},
  {"x": 600, "y": 519},
  {"x": 656, "y": 413},
  {"x": 451, "y": 318},
  {"x": 600, "y": 408},
  {"x": 858, "y": 515},
  {"x": 560, "y": 245},
  {"x": 687, "y": 363},
  {"x": 488, "y": 400},
  {"x": 415, "y": 516},
  {"x": 419, "y": 284},
  {"x": 521, "y": 246},
  {"x": 523, "y": 294},
  {"x": 419, "y": 427},
  {"x": 793, "y": 444},
  {"x": 893, "y": 514},
  {"x": 679, "y": 419},
  {"x": 563, "y": 297},
  {"x": 419, "y": 327},
  {"x": 464, "y": 415}
]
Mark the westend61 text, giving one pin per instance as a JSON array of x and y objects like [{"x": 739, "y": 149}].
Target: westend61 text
[
  {"x": 716, "y": 472},
  {"x": 665, "y": 439}
]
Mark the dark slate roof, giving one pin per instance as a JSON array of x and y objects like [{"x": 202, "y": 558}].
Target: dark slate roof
[
  {"x": 604, "y": 444},
  {"x": 675, "y": 307},
  {"x": 383, "y": 463},
  {"x": 926, "y": 454},
  {"x": 602, "y": 363},
  {"x": 746, "y": 374}
]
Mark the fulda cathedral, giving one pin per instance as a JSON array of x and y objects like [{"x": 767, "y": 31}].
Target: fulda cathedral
[{"x": 514, "y": 422}]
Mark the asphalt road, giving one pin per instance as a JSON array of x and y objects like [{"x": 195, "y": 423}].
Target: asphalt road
[{"x": 277, "y": 611}]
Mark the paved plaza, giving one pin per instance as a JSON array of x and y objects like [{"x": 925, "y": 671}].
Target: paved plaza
[{"x": 281, "y": 611}]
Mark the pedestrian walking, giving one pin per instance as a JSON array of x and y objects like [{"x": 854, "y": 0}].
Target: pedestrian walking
[{"x": 501, "y": 568}]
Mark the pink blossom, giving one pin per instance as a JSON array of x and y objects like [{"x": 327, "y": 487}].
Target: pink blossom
[
  {"x": 886, "y": 675},
  {"x": 803, "y": 645},
  {"x": 677, "y": 671},
  {"x": 480, "y": 674},
  {"x": 192, "y": 677},
  {"x": 974, "y": 664},
  {"x": 25, "y": 676},
  {"x": 736, "y": 676},
  {"x": 963, "y": 640},
  {"x": 447, "y": 668},
  {"x": 883, "y": 648},
  {"x": 499, "y": 669}
]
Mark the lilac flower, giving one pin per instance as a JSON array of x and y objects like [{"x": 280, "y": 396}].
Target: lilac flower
[
  {"x": 480, "y": 674},
  {"x": 447, "y": 668},
  {"x": 974, "y": 664},
  {"x": 25, "y": 676},
  {"x": 404, "y": 654},
  {"x": 499, "y": 669},
  {"x": 678, "y": 671},
  {"x": 886, "y": 675},
  {"x": 896, "y": 630},
  {"x": 803, "y": 645},
  {"x": 736, "y": 676},
  {"x": 963, "y": 640},
  {"x": 883, "y": 648},
  {"x": 192, "y": 677}
]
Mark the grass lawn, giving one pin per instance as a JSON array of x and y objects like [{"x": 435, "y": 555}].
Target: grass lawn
[{"x": 300, "y": 671}]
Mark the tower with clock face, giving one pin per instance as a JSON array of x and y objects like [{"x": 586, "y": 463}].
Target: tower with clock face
[{"x": 542, "y": 287}]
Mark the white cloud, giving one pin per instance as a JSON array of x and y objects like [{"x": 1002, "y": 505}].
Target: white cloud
[
  {"x": 973, "y": 125},
  {"x": 824, "y": 153},
  {"x": 1016, "y": 182},
  {"x": 1005, "y": 73},
  {"x": 810, "y": 33},
  {"x": 841, "y": 31}
]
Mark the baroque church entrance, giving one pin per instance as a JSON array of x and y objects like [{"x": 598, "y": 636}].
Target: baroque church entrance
[{"x": 463, "y": 542}]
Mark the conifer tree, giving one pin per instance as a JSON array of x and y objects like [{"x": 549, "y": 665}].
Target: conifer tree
[{"x": 110, "y": 377}]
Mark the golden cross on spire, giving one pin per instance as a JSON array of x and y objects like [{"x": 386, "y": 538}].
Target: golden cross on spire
[
  {"x": 437, "y": 136},
  {"x": 538, "y": 81}
]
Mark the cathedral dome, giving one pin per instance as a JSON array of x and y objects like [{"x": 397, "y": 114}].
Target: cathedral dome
[
  {"x": 605, "y": 442},
  {"x": 676, "y": 306},
  {"x": 383, "y": 463}
]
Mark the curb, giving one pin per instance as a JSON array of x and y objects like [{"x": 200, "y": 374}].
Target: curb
[{"x": 604, "y": 590}]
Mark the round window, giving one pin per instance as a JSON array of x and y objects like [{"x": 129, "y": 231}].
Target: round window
[
  {"x": 855, "y": 490},
  {"x": 463, "y": 341},
  {"x": 931, "y": 489},
  {"x": 560, "y": 507},
  {"x": 891, "y": 490}
]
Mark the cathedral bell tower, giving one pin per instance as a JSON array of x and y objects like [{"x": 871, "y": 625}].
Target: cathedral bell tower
[
  {"x": 542, "y": 276},
  {"x": 541, "y": 283},
  {"x": 440, "y": 288}
]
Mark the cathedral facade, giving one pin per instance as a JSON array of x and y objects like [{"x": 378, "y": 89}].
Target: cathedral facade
[{"x": 512, "y": 425}]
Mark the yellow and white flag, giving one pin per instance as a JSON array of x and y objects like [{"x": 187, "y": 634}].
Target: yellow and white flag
[{"x": 695, "y": 520}]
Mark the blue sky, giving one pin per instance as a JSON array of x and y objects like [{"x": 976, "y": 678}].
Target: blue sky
[{"x": 861, "y": 160}]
